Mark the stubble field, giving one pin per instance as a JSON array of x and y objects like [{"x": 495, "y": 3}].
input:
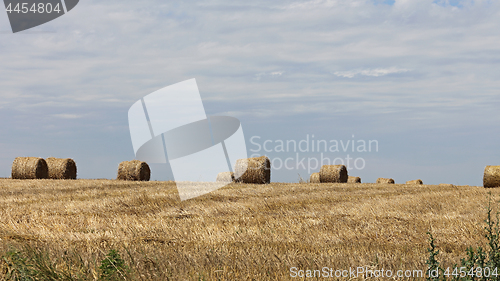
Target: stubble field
[{"x": 240, "y": 232}]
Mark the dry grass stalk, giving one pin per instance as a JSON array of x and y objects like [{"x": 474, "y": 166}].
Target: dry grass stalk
[
  {"x": 225, "y": 177},
  {"x": 134, "y": 170},
  {"x": 491, "y": 176},
  {"x": 333, "y": 174},
  {"x": 61, "y": 169},
  {"x": 354, "y": 180},
  {"x": 29, "y": 168},
  {"x": 258, "y": 170},
  {"x": 314, "y": 178},
  {"x": 419, "y": 181},
  {"x": 384, "y": 180}
]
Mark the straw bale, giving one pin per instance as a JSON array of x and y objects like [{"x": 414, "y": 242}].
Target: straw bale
[
  {"x": 61, "y": 169},
  {"x": 314, "y": 178},
  {"x": 254, "y": 170},
  {"x": 333, "y": 173},
  {"x": 384, "y": 180},
  {"x": 419, "y": 181},
  {"x": 491, "y": 177},
  {"x": 134, "y": 170},
  {"x": 225, "y": 177},
  {"x": 354, "y": 180},
  {"x": 29, "y": 168}
]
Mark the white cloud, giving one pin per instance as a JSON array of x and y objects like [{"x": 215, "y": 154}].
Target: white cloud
[
  {"x": 67, "y": 116},
  {"x": 258, "y": 76},
  {"x": 370, "y": 72}
]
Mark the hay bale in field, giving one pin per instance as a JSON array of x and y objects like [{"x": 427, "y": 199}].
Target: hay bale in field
[
  {"x": 314, "y": 178},
  {"x": 225, "y": 177},
  {"x": 419, "y": 181},
  {"x": 29, "y": 168},
  {"x": 333, "y": 173},
  {"x": 253, "y": 170},
  {"x": 354, "y": 180},
  {"x": 491, "y": 177},
  {"x": 446, "y": 185},
  {"x": 384, "y": 180},
  {"x": 134, "y": 170},
  {"x": 61, "y": 169}
]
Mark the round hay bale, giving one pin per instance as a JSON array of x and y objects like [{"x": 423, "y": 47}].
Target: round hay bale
[
  {"x": 61, "y": 169},
  {"x": 314, "y": 178},
  {"x": 446, "y": 185},
  {"x": 333, "y": 173},
  {"x": 134, "y": 170},
  {"x": 254, "y": 170},
  {"x": 225, "y": 177},
  {"x": 354, "y": 180},
  {"x": 29, "y": 168},
  {"x": 384, "y": 180},
  {"x": 419, "y": 181},
  {"x": 491, "y": 176}
]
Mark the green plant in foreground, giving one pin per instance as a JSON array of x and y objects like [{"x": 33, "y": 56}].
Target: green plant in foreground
[
  {"x": 30, "y": 264},
  {"x": 432, "y": 263},
  {"x": 16, "y": 266},
  {"x": 113, "y": 267},
  {"x": 478, "y": 264},
  {"x": 493, "y": 234}
]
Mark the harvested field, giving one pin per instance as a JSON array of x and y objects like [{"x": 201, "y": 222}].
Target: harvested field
[{"x": 242, "y": 231}]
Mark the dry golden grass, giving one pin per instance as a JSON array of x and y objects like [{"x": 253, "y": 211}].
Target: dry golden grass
[{"x": 243, "y": 231}]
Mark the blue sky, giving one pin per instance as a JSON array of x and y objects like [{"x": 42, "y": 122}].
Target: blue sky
[{"x": 419, "y": 76}]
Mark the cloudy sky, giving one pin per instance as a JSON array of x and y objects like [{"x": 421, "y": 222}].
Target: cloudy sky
[{"x": 418, "y": 76}]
